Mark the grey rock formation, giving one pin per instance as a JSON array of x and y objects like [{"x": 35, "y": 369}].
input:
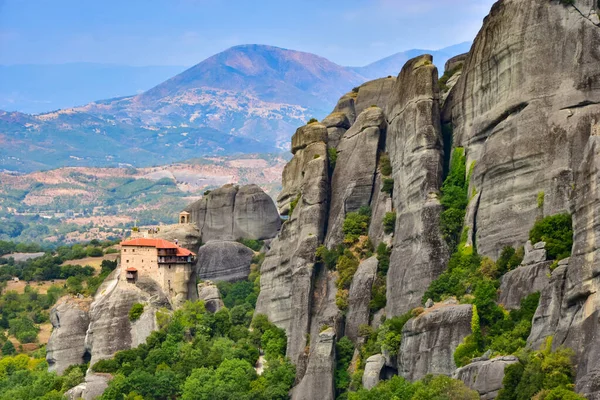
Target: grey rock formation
[
  {"x": 415, "y": 147},
  {"x": 66, "y": 346},
  {"x": 526, "y": 123},
  {"x": 232, "y": 213},
  {"x": 373, "y": 367},
  {"x": 373, "y": 93},
  {"x": 209, "y": 293},
  {"x": 318, "y": 383},
  {"x": 429, "y": 340},
  {"x": 523, "y": 281},
  {"x": 223, "y": 261},
  {"x": 381, "y": 203},
  {"x": 307, "y": 134},
  {"x": 534, "y": 254},
  {"x": 485, "y": 376},
  {"x": 186, "y": 235},
  {"x": 337, "y": 123},
  {"x": 345, "y": 105},
  {"x": 110, "y": 329},
  {"x": 359, "y": 297},
  {"x": 255, "y": 215},
  {"x": 287, "y": 273},
  {"x": 455, "y": 61},
  {"x": 353, "y": 178},
  {"x": 75, "y": 392},
  {"x": 95, "y": 385},
  {"x": 548, "y": 313}
]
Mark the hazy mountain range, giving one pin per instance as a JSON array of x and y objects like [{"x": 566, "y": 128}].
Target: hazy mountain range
[{"x": 248, "y": 98}]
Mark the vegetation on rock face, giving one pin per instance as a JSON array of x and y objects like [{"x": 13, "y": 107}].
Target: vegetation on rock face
[
  {"x": 389, "y": 222},
  {"x": 332, "y": 155},
  {"x": 543, "y": 375},
  {"x": 454, "y": 199},
  {"x": 429, "y": 388},
  {"x": 443, "y": 81},
  {"x": 385, "y": 164},
  {"x": 356, "y": 225},
  {"x": 136, "y": 311},
  {"x": 388, "y": 186},
  {"x": 293, "y": 205},
  {"x": 378, "y": 290},
  {"x": 344, "y": 350},
  {"x": 312, "y": 121},
  {"x": 253, "y": 244},
  {"x": 557, "y": 232}
]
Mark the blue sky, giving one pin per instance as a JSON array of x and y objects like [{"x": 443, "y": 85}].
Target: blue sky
[{"x": 184, "y": 32}]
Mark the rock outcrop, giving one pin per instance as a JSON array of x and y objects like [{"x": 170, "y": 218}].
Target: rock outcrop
[
  {"x": 287, "y": 271},
  {"x": 359, "y": 297},
  {"x": 210, "y": 295},
  {"x": 485, "y": 376},
  {"x": 573, "y": 298},
  {"x": 318, "y": 383},
  {"x": 66, "y": 346},
  {"x": 354, "y": 174},
  {"x": 429, "y": 340},
  {"x": 232, "y": 213},
  {"x": 337, "y": 123},
  {"x": 220, "y": 260},
  {"x": 414, "y": 143},
  {"x": 523, "y": 281},
  {"x": 525, "y": 123},
  {"x": 373, "y": 367}
]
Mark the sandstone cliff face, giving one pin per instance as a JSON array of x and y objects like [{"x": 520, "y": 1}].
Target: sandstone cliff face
[
  {"x": 572, "y": 300},
  {"x": 359, "y": 297},
  {"x": 317, "y": 383},
  {"x": 429, "y": 340},
  {"x": 414, "y": 144},
  {"x": 523, "y": 109},
  {"x": 232, "y": 213},
  {"x": 66, "y": 346},
  {"x": 287, "y": 271},
  {"x": 354, "y": 175},
  {"x": 223, "y": 261},
  {"x": 485, "y": 376}
]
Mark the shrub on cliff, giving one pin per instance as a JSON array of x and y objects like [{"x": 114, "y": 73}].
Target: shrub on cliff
[
  {"x": 557, "y": 232},
  {"x": 136, "y": 312}
]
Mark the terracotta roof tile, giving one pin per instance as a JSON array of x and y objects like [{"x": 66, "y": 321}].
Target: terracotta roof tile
[{"x": 146, "y": 242}]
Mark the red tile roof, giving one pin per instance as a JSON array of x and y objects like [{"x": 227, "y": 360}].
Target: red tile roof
[
  {"x": 131, "y": 269},
  {"x": 145, "y": 242},
  {"x": 159, "y": 244},
  {"x": 184, "y": 252}
]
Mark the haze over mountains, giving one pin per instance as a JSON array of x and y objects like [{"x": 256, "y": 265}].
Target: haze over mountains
[{"x": 249, "y": 98}]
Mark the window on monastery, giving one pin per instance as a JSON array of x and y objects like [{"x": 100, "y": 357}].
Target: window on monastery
[
  {"x": 133, "y": 250},
  {"x": 126, "y": 261},
  {"x": 124, "y": 250}
]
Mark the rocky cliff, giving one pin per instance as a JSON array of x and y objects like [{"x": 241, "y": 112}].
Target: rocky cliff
[{"x": 231, "y": 213}]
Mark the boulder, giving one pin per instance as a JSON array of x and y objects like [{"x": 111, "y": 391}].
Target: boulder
[
  {"x": 66, "y": 346},
  {"x": 221, "y": 260},
  {"x": 337, "y": 124},
  {"x": 455, "y": 62},
  {"x": 255, "y": 215},
  {"x": 519, "y": 283},
  {"x": 485, "y": 376},
  {"x": 354, "y": 174},
  {"x": 414, "y": 143},
  {"x": 518, "y": 119},
  {"x": 429, "y": 340},
  {"x": 534, "y": 254},
  {"x": 373, "y": 367},
  {"x": 95, "y": 385},
  {"x": 209, "y": 293},
  {"x": 359, "y": 297},
  {"x": 318, "y": 383},
  {"x": 231, "y": 213}
]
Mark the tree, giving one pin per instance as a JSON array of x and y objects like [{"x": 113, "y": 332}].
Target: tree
[{"x": 8, "y": 349}]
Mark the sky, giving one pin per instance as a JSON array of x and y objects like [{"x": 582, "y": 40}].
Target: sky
[{"x": 185, "y": 32}]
